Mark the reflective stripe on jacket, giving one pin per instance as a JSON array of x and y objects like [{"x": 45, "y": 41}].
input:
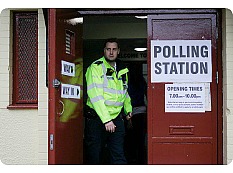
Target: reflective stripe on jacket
[{"x": 107, "y": 89}]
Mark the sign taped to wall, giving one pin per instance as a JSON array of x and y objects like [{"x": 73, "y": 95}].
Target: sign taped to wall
[{"x": 181, "y": 61}]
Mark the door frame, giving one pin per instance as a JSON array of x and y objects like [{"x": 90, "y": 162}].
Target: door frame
[
  {"x": 51, "y": 76},
  {"x": 108, "y": 12}
]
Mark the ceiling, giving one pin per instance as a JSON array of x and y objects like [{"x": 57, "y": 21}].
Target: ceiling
[{"x": 112, "y": 19}]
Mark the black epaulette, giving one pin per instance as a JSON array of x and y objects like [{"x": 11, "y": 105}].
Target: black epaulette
[{"x": 98, "y": 62}]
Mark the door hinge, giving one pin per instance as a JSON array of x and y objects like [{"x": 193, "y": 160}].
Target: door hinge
[
  {"x": 217, "y": 77},
  {"x": 51, "y": 142},
  {"x": 56, "y": 83}
]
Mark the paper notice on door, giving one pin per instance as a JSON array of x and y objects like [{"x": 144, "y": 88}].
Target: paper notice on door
[
  {"x": 70, "y": 91},
  {"x": 67, "y": 68},
  {"x": 207, "y": 97},
  {"x": 186, "y": 97}
]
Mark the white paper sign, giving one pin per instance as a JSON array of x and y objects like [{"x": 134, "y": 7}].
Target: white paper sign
[
  {"x": 207, "y": 97},
  {"x": 70, "y": 91},
  {"x": 181, "y": 61},
  {"x": 67, "y": 68},
  {"x": 185, "y": 97}
]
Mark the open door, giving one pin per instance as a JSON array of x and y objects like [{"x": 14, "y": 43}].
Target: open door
[
  {"x": 176, "y": 135},
  {"x": 65, "y": 88}
]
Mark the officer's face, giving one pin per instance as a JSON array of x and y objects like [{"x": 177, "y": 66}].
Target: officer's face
[{"x": 111, "y": 51}]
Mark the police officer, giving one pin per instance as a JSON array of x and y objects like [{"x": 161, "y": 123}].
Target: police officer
[{"x": 107, "y": 83}]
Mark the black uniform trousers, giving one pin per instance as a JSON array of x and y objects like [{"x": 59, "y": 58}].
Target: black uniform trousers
[
  {"x": 135, "y": 140},
  {"x": 96, "y": 138}
]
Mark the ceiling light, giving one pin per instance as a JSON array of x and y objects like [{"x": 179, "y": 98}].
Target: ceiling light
[
  {"x": 141, "y": 17},
  {"x": 140, "y": 49},
  {"x": 75, "y": 21}
]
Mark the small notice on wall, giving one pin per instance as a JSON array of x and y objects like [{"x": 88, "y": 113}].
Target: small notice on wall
[
  {"x": 187, "y": 97},
  {"x": 70, "y": 91}
]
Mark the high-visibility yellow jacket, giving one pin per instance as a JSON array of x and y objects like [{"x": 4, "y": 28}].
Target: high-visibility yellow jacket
[{"x": 107, "y": 89}]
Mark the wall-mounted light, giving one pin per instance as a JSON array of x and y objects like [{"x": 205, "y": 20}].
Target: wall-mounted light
[{"x": 140, "y": 49}]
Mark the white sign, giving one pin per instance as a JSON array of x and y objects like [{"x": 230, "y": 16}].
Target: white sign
[
  {"x": 67, "y": 68},
  {"x": 181, "y": 61},
  {"x": 70, "y": 91},
  {"x": 185, "y": 97},
  {"x": 207, "y": 97}
]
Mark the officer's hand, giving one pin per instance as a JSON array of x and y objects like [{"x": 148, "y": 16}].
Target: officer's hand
[
  {"x": 129, "y": 116},
  {"x": 129, "y": 124},
  {"x": 110, "y": 126}
]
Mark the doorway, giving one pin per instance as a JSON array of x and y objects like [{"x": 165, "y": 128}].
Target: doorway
[
  {"x": 132, "y": 35},
  {"x": 186, "y": 132}
]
